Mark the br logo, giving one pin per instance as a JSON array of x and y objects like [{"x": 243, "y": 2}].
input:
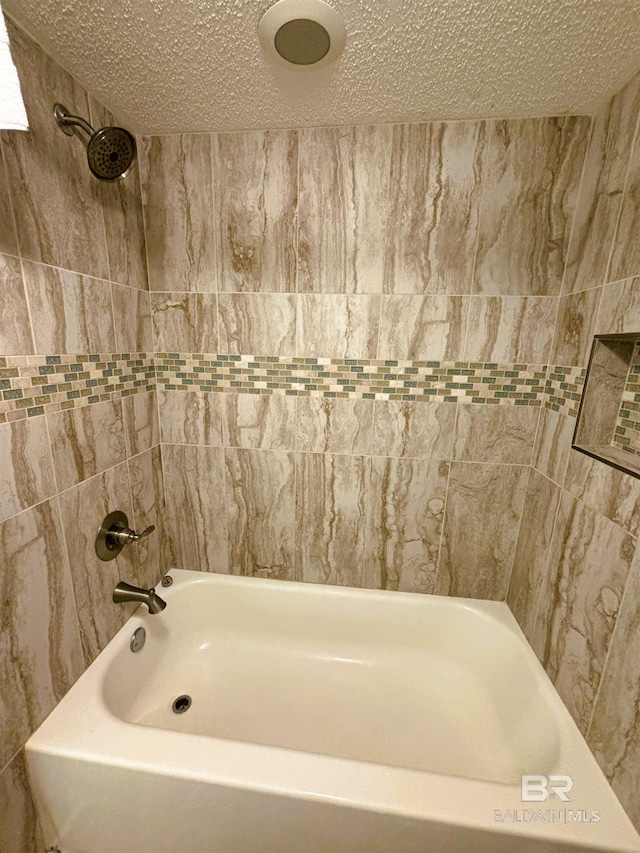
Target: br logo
[{"x": 537, "y": 789}]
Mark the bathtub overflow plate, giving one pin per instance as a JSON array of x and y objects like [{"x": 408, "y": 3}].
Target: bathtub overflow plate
[{"x": 138, "y": 639}]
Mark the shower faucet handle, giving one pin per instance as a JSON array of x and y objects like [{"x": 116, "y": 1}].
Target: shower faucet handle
[{"x": 114, "y": 533}]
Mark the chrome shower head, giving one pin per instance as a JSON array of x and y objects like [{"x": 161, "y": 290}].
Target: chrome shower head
[{"x": 110, "y": 150}]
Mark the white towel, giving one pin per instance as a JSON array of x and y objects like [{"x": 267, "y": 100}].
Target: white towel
[{"x": 13, "y": 115}]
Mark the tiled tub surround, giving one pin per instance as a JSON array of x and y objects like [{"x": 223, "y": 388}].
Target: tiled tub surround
[{"x": 627, "y": 431}]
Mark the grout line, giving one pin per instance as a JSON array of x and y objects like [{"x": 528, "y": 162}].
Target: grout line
[{"x": 13, "y": 757}]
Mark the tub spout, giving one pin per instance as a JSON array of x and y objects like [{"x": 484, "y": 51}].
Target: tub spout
[{"x": 126, "y": 592}]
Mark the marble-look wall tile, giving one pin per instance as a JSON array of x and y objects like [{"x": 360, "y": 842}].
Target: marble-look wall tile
[
  {"x": 601, "y": 190},
  {"x": 258, "y": 420},
  {"x": 574, "y": 328},
  {"x": 185, "y": 322},
  {"x": 191, "y": 417},
  {"x": 413, "y": 429},
  {"x": 406, "y": 510},
  {"x": 15, "y": 329},
  {"x": 430, "y": 328},
  {"x": 132, "y": 315},
  {"x": 436, "y": 174},
  {"x": 510, "y": 328},
  {"x": 256, "y": 323},
  {"x": 614, "y": 735},
  {"x": 121, "y": 203},
  {"x": 532, "y": 552},
  {"x": 86, "y": 441},
  {"x": 54, "y": 196},
  {"x": 529, "y": 196},
  {"x": 26, "y": 473},
  {"x": 260, "y": 498},
  {"x": 619, "y": 308},
  {"x": 255, "y": 178},
  {"x": 611, "y": 492},
  {"x": 332, "y": 492},
  {"x": 344, "y": 207},
  {"x": 195, "y": 514},
  {"x": 495, "y": 434},
  {"x": 72, "y": 313},
  {"x": 553, "y": 443},
  {"x": 83, "y": 508},
  {"x": 40, "y": 655},
  {"x": 20, "y": 830},
  {"x": 327, "y": 425},
  {"x": 337, "y": 326},
  {"x": 177, "y": 195},
  {"x": 484, "y": 506},
  {"x": 579, "y": 602},
  {"x": 147, "y": 494},
  {"x": 625, "y": 257},
  {"x": 8, "y": 241},
  {"x": 141, "y": 427}
]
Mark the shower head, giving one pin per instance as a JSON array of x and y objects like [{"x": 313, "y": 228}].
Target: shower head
[{"x": 110, "y": 150}]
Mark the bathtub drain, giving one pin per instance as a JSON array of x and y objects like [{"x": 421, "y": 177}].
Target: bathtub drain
[{"x": 181, "y": 704}]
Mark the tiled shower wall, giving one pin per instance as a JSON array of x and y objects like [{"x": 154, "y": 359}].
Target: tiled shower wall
[
  {"x": 78, "y": 417},
  {"x": 575, "y": 587}
]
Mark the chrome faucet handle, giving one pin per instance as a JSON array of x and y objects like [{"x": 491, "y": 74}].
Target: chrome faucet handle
[{"x": 114, "y": 533}]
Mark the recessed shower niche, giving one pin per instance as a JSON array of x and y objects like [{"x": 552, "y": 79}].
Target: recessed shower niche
[{"x": 608, "y": 425}]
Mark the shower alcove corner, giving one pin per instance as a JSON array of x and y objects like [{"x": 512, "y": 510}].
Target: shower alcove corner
[{"x": 608, "y": 424}]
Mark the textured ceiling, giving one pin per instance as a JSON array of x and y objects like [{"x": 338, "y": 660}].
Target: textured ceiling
[{"x": 186, "y": 65}]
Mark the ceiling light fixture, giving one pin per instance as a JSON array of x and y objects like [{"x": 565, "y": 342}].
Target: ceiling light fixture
[{"x": 302, "y": 34}]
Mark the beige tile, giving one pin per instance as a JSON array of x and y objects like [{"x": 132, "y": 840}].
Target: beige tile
[
  {"x": 121, "y": 203},
  {"x": 184, "y": 322},
  {"x": 611, "y": 492},
  {"x": 579, "y": 602},
  {"x": 510, "y": 329},
  {"x": 625, "y": 257},
  {"x": 601, "y": 191},
  {"x": 147, "y": 494},
  {"x": 257, "y": 323},
  {"x": 608, "y": 371},
  {"x": 83, "y": 508},
  {"x": 484, "y": 506},
  {"x": 332, "y": 425},
  {"x": 619, "y": 308},
  {"x": 331, "y": 493},
  {"x": 344, "y": 208},
  {"x": 574, "y": 328},
  {"x": 337, "y": 326},
  {"x": 436, "y": 176},
  {"x": 529, "y": 197},
  {"x": 86, "y": 441},
  {"x": 258, "y": 420},
  {"x": 177, "y": 195},
  {"x": 255, "y": 178},
  {"x": 141, "y": 427},
  {"x": 20, "y": 830},
  {"x": 553, "y": 443},
  {"x": 532, "y": 552},
  {"x": 191, "y": 417},
  {"x": 71, "y": 313},
  {"x": 428, "y": 328},
  {"x": 26, "y": 472},
  {"x": 413, "y": 429},
  {"x": 495, "y": 434},
  {"x": 195, "y": 516},
  {"x": 614, "y": 736},
  {"x": 8, "y": 242},
  {"x": 406, "y": 505},
  {"x": 260, "y": 499},
  {"x": 40, "y": 655},
  {"x": 132, "y": 314},
  {"x": 55, "y": 197},
  {"x": 15, "y": 329}
]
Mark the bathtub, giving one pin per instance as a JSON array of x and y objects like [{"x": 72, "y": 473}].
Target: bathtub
[{"x": 322, "y": 720}]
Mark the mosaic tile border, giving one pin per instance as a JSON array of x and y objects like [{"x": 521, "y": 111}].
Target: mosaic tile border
[
  {"x": 627, "y": 430},
  {"x": 38, "y": 384},
  {"x": 449, "y": 382},
  {"x": 563, "y": 389}
]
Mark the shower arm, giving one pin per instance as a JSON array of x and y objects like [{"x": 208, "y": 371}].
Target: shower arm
[{"x": 66, "y": 122}]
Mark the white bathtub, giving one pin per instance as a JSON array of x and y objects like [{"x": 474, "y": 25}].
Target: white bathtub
[{"x": 322, "y": 720}]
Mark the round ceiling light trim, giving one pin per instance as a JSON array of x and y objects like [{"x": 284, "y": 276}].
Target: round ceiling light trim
[{"x": 302, "y": 34}]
